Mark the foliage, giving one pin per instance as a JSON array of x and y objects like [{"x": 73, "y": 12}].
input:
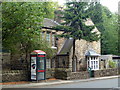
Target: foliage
[
  {"x": 49, "y": 8},
  {"x": 118, "y": 34},
  {"x": 74, "y": 26},
  {"x": 21, "y": 23},
  {"x": 95, "y": 13},
  {"x": 110, "y": 35},
  {"x": 74, "y": 17},
  {"x": 112, "y": 64},
  {"x": 106, "y": 22},
  {"x": 44, "y": 45}
]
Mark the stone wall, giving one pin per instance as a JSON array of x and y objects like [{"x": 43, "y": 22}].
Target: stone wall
[
  {"x": 66, "y": 74},
  {"x": 58, "y": 73},
  {"x": 106, "y": 72},
  {"x": 14, "y": 75},
  {"x": 62, "y": 73},
  {"x": 22, "y": 75},
  {"x": 82, "y": 47},
  {"x": 50, "y": 73},
  {"x": 79, "y": 75},
  {"x": 60, "y": 43}
]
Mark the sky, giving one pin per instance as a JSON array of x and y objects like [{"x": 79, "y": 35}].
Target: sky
[{"x": 111, "y": 4}]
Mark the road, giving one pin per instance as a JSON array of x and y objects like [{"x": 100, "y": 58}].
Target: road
[{"x": 106, "y": 83}]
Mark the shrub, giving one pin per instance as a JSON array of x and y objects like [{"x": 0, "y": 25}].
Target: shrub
[{"x": 112, "y": 64}]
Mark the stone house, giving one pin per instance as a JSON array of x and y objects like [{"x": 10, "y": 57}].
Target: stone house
[
  {"x": 63, "y": 46},
  {"x": 87, "y": 53}
]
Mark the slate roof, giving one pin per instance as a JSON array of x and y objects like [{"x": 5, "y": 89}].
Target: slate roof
[
  {"x": 109, "y": 57},
  {"x": 66, "y": 46},
  {"x": 91, "y": 53},
  {"x": 49, "y": 22}
]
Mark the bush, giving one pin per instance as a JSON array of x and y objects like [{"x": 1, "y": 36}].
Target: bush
[{"x": 112, "y": 64}]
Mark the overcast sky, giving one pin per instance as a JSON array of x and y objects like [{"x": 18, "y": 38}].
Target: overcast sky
[{"x": 111, "y": 4}]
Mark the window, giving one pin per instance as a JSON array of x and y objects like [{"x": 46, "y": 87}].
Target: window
[
  {"x": 53, "y": 39},
  {"x": 48, "y": 63},
  {"x": 91, "y": 58},
  {"x": 93, "y": 63},
  {"x": 41, "y": 63},
  {"x": 88, "y": 63},
  {"x": 88, "y": 58},
  {"x": 96, "y": 64},
  {"x": 43, "y": 35},
  {"x": 96, "y": 58},
  {"x": 63, "y": 62},
  {"x": 48, "y": 37}
]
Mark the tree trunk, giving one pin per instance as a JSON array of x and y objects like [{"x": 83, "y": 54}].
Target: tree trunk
[
  {"x": 73, "y": 57},
  {"x": 27, "y": 65},
  {"x": 26, "y": 56},
  {"x": 74, "y": 49}
]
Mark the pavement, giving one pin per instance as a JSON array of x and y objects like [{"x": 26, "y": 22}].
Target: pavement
[{"x": 51, "y": 82}]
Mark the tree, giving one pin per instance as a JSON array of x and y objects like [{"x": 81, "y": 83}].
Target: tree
[
  {"x": 21, "y": 23},
  {"x": 118, "y": 34},
  {"x": 106, "y": 22},
  {"x": 74, "y": 17},
  {"x": 95, "y": 13},
  {"x": 49, "y": 8},
  {"x": 110, "y": 35}
]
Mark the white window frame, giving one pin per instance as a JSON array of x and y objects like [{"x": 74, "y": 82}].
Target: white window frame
[{"x": 93, "y": 62}]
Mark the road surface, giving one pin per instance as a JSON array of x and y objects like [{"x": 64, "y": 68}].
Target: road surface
[{"x": 106, "y": 83}]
